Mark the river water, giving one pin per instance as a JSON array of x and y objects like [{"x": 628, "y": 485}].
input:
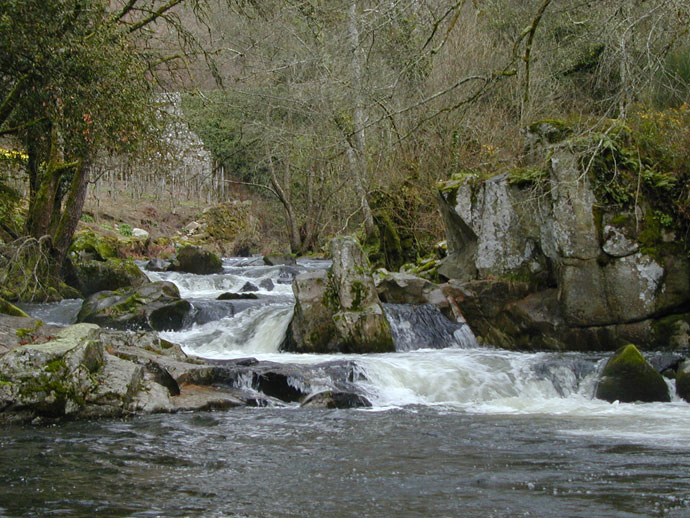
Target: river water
[{"x": 464, "y": 431}]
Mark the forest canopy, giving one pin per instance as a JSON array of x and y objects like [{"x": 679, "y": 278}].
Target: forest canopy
[{"x": 344, "y": 113}]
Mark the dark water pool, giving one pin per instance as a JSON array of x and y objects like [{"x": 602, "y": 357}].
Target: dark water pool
[{"x": 296, "y": 462}]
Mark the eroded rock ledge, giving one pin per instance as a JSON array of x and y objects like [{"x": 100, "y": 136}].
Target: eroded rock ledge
[{"x": 84, "y": 372}]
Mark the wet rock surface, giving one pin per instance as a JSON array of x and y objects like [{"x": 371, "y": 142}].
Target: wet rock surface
[
  {"x": 84, "y": 371},
  {"x": 339, "y": 310},
  {"x": 614, "y": 274},
  {"x": 192, "y": 259},
  {"x": 628, "y": 377},
  {"x": 152, "y": 306}
]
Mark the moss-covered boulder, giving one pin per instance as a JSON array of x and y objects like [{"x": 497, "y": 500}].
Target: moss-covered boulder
[
  {"x": 86, "y": 372},
  {"x": 192, "y": 259},
  {"x": 339, "y": 311},
  {"x": 227, "y": 229},
  {"x": 628, "y": 377},
  {"x": 87, "y": 245},
  {"x": 153, "y": 306},
  {"x": 29, "y": 272},
  {"x": 7, "y": 308},
  {"x": 92, "y": 276}
]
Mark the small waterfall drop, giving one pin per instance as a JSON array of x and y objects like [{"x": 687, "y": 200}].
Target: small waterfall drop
[
  {"x": 438, "y": 362},
  {"x": 423, "y": 326},
  {"x": 259, "y": 329}
]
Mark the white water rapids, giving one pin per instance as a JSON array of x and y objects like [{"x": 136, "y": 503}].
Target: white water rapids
[{"x": 464, "y": 377}]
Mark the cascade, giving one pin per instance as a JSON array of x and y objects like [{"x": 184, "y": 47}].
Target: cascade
[{"x": 437, "y": 361}]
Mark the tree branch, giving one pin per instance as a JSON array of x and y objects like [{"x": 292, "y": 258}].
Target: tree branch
[{"x": 154, "y": 16}]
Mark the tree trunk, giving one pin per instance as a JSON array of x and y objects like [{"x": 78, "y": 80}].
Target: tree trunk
[
  {"x": 71, "y": 212},
  {"x": 293, "y": 228},
  {"x": 356, "y": 151}
]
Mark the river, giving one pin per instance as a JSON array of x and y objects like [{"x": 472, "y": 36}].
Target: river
[{"x": 466, "y": 431}]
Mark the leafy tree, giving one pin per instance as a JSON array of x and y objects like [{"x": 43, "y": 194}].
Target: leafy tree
[{"x": 78, "y": 78}]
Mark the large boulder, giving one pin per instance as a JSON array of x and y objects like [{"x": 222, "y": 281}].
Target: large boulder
[
  {"x": 339, "y": 310},
  {"x": 628, "y": 377},
  {"x": 191, "y": 259},
  {"x": 405, "y": 288},
  {"x": 85, "y": 372},
  {"x": 71, "y": 374},
  {"x": 92, "y": 276},
  {"x": 229, "y": 229},
  {"x": 154, "y": 306},
  {"x": 16, "y": 331}
]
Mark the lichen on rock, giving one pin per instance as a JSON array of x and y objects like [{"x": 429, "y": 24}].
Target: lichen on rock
[{"x": 339, "y": 310}]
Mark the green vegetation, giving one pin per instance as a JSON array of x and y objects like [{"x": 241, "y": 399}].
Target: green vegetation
[
  {"x": 125, "y": 230},
  {"x": 645, "y": 161},
  {"x": 338, "y": 117}
]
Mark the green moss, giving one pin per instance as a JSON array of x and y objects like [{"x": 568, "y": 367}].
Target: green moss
[
  {"x": 359, "y": 293},
  {"x": 125, "y": 230},
  {"x": 25, "y": 332},
  {"x": 621, "y": 219},
  {"x": 525, "y": 176},
  {"x": 55, "y": 365},
  {"x": 99, "y": 246},
  {"x": 331, "y": 297},
  {"x": 551, "y": 130},
  {"x": 10, "y": 309},
  {"x": 628, "y": 377}
]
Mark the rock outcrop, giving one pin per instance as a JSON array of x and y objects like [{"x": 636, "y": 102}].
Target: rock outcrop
[
  {"x": 628, "y": 377},
  {"x": 154, "y": 306},
  {"x": 597, "y": 275},
  {"x": 339, "y": 310},
  {"x": 85, "y": 372}
]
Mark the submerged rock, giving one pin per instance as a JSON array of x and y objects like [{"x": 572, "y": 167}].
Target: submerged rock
[
  {"x": 339, "y": 310},
  {"x": 191, "y": 259},
  {"x": 237, "y": 296},
  {"x": 154, "y": 306},
  {"x": 628, "y": 377},
  {"x": 332, "y": 399}
]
